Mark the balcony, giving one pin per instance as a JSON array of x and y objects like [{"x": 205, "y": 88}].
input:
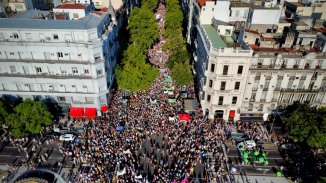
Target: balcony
[
  {"x": 303, "y": 90},
  {"x": 46, "y": 75}
]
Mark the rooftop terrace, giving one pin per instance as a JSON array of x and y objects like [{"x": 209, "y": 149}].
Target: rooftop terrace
[{"x": 214, "y": 37}]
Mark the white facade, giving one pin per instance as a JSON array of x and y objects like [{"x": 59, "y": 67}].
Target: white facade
[
  {"x": 261, "y": 15},
  {"x": 217, "y": 9},
  {"x": 70, "y": 62},
  {"x": 221, "y": 74},
  {"x": 20, "y": 5}
]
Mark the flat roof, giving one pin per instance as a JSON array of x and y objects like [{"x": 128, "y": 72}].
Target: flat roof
[
  {"x": 71, "y": 6},
  {"x": 214, "y": 37},
  {"x": 26, "y": 21}
]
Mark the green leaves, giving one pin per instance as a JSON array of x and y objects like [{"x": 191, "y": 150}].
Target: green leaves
[
  {"x": 181, "y": 73},
  {"x": 134, "y": 73},
  {"x": 143, "y": 28},
  {"x": 304, "y": 123},
  {"x": 135, "y": 76},
  {"x": 28, "y": 118}
]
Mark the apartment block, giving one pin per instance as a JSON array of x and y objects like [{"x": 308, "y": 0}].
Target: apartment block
[
  {"x": 65, "y": 56},
  {"x": 251, "y": 57}
]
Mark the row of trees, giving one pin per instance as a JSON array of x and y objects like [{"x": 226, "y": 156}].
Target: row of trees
[
  {"x": 306, "y": 124},
  {"x": 179, "y": 62},
  {"x": 134, "y": 72},
  {"x": 24, "y": 117}
]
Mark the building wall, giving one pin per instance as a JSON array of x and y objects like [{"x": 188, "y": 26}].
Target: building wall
[
  {"x": 71, "y": 67},
  {"x": 217, "y": 9},
  {"x": 259, "y": 16},
  {"x": 239, "y": 14}
]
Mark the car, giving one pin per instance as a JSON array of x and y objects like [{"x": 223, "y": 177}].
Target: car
[
  {"x": 67, "y": 137},
  {"x": 239, "y": 137},
  {"x": 247, "y": 144}
]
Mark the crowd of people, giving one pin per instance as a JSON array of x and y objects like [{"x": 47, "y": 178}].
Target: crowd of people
[{"x": 149, "y": 147}]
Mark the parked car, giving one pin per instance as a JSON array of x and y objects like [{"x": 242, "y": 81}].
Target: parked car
[
  {"x": 247, "y": 144},
  {"x": 67, "y": 137}
]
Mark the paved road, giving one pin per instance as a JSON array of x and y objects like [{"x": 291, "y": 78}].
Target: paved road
[{"x": 274, "y": 158}]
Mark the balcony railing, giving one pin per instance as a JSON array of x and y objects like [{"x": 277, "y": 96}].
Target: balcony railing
[{"x": 304, "y": 90}]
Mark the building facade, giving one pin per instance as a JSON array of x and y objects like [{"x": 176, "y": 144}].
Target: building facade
[
  {"x": 247, "y": 64},
  {"x": 69, "y": 62}
]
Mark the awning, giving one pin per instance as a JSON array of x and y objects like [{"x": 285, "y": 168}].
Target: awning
[
  {"x": 104, "y": 108},
  {"x": 184, "y": 117},
  {"x": 76, "y": 112},
  {"x": 90, "y": 112},
  {"x": 232, "y": 114}
]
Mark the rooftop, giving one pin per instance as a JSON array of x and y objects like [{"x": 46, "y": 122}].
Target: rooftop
[
  {"x": 214, "y": 37},
  {"x": 30, "y": 20},
  {"x": 71, "y": 6},
  {"x": 239, "y": 4}
]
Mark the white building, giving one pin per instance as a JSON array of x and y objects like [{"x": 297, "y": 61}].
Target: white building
[
  {"x": 244, "y": 70},
  {"x": 221, "y": 71},
  {"x": 70, "y": 62}
]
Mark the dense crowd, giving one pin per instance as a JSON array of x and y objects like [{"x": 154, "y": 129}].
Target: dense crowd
[{"x": 150, "y": 147}]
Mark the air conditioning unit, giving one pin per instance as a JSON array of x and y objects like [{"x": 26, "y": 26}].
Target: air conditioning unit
[
  {"x": 6, "y": 40},
  {"x": 48, "y": 38},
  {"x": 42, "y": 40},
  {"x": 67, "y": 41}
]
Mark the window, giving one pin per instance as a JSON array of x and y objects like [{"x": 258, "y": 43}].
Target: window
[
  {"x": 99, "y": 72},
  {"x": 223, "y": 83},
  {"x": 237, "y": 85},
  {"x": 86, "y": 71},
  {"x": 225, "y": 69},
  {"x": 228, "y": 32},
  {"x": 220, "y": 100},
  {"x": 13, "y": 68},
  {"x": 61, "y": 99},
  {"x": 251, "y": 106},
  {"x": 234, "y": 100},
  {"x": 73, "y": 86},
  {"x": 60, "y": 54},
  {"x": 261, "y": 107},
  {"x": 240, "y": 69},
  {"x": 75, "y": 15},
  {"x": 212, "y": 67},
  {"x": 210, "y": 83},
  {"x": 12, "y": 53},
  {"x": 74, "y": 70},
  {"x": 38, "y": 69},
  {"x": 208, "y": 98},
  {"x": 55, "y": 36},
  {"x": 16, "y": 35}
]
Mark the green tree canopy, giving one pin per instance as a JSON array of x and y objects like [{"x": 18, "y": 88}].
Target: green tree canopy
[
  {"x": 181, "y": 56},
  {"x": 28, "y": 118},
  {"x": 143, "y": 28},
  {"x": 150, "y": 4},
  {"x": 181, "y": 74},
  {"x": 307, "y": 124},
  {"x": 176, "y": 42},
  {"x": 135, "y": 76}
]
